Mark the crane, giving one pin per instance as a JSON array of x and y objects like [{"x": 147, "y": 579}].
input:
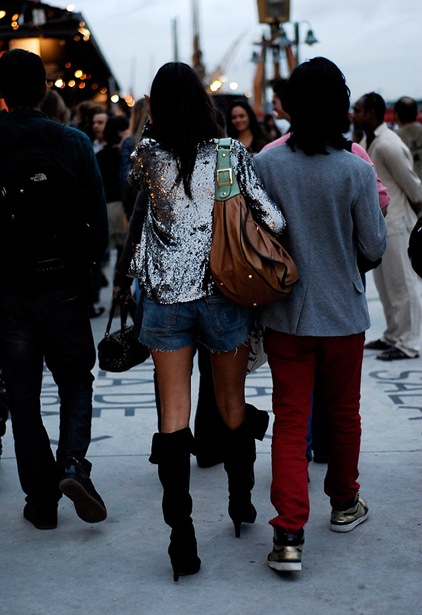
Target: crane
[
  {"x": 197, "y": 63},
  {"x": 216, "y": 77}
]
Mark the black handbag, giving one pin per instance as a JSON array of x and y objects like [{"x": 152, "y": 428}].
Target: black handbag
[{"x": 121, "y": 350}]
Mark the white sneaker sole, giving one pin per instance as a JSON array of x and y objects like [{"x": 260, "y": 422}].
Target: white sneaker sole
[
  {"x": 342, "y": 528},
  {"x": 285, "y": 566}
]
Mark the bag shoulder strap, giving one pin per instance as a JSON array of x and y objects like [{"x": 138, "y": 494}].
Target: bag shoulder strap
[
  {"x": 226, "y": 185},
  {"x": 125, "y": 309}
]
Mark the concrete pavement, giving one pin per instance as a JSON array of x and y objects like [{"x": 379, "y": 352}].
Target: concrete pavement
[{"x": 121, "y": 566}]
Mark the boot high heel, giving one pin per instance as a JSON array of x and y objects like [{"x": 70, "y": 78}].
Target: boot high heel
[
  {"x": 183, "y": 553},
  {"x": 239, "y": 459},
  {"x": 246, "y": 514}
]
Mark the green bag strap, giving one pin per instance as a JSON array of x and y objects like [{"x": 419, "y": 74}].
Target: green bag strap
[{"x": 226, "y": 185}]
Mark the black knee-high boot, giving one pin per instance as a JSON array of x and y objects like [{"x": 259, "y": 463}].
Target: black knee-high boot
[
  {"x": 239, "y": 458},
  {"x": 208, "y": 422},
  {"x": 172, "y": 450}
]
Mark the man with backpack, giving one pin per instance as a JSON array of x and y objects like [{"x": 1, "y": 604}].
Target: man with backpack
[{"x": 53, "y": 227}]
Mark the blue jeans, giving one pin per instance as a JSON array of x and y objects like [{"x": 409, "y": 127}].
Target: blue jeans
[
  {"x": 214, "y": 321},
  {"x": 53, "y": 326}
]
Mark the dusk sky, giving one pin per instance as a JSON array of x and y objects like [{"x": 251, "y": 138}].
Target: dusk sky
[{"x": 376, "y": 43}]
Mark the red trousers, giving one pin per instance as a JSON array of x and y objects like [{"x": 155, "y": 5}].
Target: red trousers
[{"x": 293, "y": 360}]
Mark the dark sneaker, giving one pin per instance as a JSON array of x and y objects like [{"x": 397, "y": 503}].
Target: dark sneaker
[
  {"x": 77, "y": 485},
  {"x": 320, "y": 457},
  {"x": 42, "y": 516},
  {"x": 377, "y": 345},
  {"x": 2, "y": 426},
  {"x": 286, "y": 555},
  {"x": 347, "y": 520}
]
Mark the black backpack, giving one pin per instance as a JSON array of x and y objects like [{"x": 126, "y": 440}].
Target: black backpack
[
  {"x": 40, "y": 215},
  {"x": 415, "y": 247}
]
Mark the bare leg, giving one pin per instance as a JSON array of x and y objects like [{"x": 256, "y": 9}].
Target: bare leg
[
  {"x": 229, "y": 373},
  {"x": 174, "y": 371},
  {"x": 172, "y": 448}
]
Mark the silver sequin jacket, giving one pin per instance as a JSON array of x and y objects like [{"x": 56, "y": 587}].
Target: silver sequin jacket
[{"x": 176, "y": 233}]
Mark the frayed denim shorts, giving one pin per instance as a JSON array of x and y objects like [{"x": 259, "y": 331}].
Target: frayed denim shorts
[{"x": 214, "y": 321}]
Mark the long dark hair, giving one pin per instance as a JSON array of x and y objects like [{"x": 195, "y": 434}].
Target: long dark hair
[
  {"x": 254, "y": 126},
  {"x": 318, "y": 101},
  {"x": 182, "y": 115}
]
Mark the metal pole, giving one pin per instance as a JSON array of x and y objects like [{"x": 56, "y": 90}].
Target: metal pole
[
  {"x": 297, "y": 40},
  {"x": 175, "y": 40},
  {"x": 132, "y": 75}
]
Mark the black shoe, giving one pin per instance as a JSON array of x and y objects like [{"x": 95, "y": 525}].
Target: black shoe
[
  {"x": 42, "y": 516},
  {"x": 2, "y": 432},
  {"x": 2, "y": 426},
  {"x": 320, "y": 457},
  {"x": 394, "y": 354},
  {"x": 377, "y": 345},
  {"x": 77, "y": 485}
]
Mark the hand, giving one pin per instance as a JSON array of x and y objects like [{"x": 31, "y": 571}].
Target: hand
[{"x": 123, "y": 294}]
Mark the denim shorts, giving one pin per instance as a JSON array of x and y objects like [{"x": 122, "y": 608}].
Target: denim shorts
[{"x": 214, "y": 321}]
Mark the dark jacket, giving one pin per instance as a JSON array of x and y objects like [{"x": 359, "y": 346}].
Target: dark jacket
[{"x": 75, "y": 152}]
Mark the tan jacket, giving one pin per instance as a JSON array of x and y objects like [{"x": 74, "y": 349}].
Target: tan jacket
[{"x": 394, "y": 164}]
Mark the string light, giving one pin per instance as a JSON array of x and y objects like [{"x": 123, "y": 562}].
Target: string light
[{"x": 67, "y": 76}]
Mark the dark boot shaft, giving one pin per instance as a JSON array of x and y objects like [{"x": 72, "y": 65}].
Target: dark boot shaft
[
  {"x": 172, "y": 453},
  {"x": 239, "y": 458}
]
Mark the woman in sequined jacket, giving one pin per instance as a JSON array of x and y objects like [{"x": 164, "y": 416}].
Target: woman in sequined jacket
[{"x": 176, "y": 168}]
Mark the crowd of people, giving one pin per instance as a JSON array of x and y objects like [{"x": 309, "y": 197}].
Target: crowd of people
[{"x": 340, "y": 209}]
